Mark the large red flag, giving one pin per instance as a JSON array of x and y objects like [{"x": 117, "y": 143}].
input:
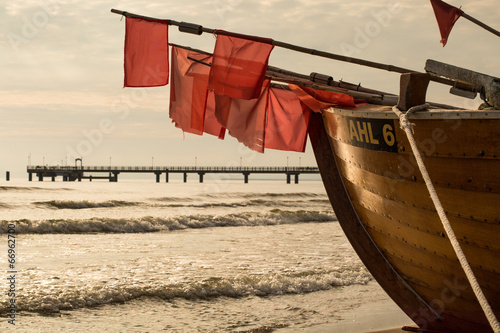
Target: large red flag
[
  {"x": 189, "y": 109},
  {"x": 239, "y": 66},
  {"x": 244, "y": 119},
  {"x": 318, "y": 100},
  {"x": 146, "y": 53},
  {"x": 275, "y": 120},
  {"x": 446, "y": 16},
  {"x": 287, "y": 121}
]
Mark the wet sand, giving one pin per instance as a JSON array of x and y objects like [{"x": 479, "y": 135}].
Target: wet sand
[{"x": 375, "y": 315}]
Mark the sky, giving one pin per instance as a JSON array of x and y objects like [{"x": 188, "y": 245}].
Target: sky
[{"x": 61, "y": 63}]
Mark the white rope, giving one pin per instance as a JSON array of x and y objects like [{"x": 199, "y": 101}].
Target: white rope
[{"x": 408, "y": 128}]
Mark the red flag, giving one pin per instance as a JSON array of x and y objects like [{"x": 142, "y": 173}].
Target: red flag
[
  {"x": 318, "y": 100},
  {"x": 211, "y": 125},
  {"x": 146, "y": 53},
  {"x": 446, "y": 16},
  {"x": 189, "y": 109},
  {"x": 287, "y": 121},
  {"x": 239, "y": 66},
  {"x": 275, "y": 120},
  {"x": 244, "y": 119}
]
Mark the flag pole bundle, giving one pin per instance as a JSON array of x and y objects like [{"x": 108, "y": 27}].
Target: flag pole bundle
[
  {"x": 230, "y": 89},
  {"x": 233, "y": 93},
  {"x": 198, "y": 30}
]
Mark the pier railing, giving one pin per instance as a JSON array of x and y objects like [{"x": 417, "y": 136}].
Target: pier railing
[{"x": 71, "y": 173}]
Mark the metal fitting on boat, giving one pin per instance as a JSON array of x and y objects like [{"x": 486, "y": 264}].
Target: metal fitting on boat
[
  {"x": 190, "y": 28},
  {"x": 320, "y": 78}
]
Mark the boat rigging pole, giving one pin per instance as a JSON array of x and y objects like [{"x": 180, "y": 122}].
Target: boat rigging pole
[
  {"x": 481, "y": 24},
  {"x": 325, "y": 82}
]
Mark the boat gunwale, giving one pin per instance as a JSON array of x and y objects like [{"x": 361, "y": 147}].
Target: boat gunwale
[{"x": 385, "y": 112}]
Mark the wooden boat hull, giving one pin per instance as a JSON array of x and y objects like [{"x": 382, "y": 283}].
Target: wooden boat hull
[{"x": 384, "y": 208}]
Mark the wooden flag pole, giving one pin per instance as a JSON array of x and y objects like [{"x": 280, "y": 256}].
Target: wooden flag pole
[
  {"x": 282, "y": 75},
  {"x": 356, "y": 91},
  {"x": 198, "y": 30},
  {"x": 481, "y": 24}
]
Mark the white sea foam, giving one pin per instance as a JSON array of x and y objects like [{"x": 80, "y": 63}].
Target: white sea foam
[
  {"x": 154, "y": 224},
  {"x": 42, "y": 299}
]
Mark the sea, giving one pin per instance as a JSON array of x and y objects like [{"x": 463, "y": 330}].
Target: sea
[{"x": 217, "y": 256}]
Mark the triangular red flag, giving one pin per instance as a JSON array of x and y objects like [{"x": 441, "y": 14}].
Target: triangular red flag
[
  {"x": 446, "y": 16},
  {"x": 239, "y": 66},
  {"x": 146, "y": 53}
]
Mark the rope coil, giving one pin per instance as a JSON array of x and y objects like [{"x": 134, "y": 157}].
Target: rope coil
[{"x": 408, "y": 128}]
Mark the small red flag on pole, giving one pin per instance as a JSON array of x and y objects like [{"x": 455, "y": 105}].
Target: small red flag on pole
[
  {"x": 446, "y": 16},
  {"x": 287, "y": 121},
  {"x": 239, "y": 66},
  {"x": 192, "y": 106},
  {"x": 146, "y": 53}
]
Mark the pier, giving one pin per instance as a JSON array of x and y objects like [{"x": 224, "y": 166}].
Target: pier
[{"x": 77, "y": 173}]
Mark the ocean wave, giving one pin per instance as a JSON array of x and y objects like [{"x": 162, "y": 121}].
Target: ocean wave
[
  {"x": 323, "y": 201},
  {"x": 247, "y": 203},
  {"x": 155, "y": 224},
  {"x": 52, "y": 300},
  {"x": 173, "y": 199},
  {"x": 32, "y": 188},
  {"x": 241, "y": 199},
  {"x": 82, "y": 204},
  {"x": 243, "y": 195},
  {"x": 264, "y": 195},
  {"x": 250, "y": 200}
]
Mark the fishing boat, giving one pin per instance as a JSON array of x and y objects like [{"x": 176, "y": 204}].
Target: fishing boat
[
  {"x": 383, "y": 205},
  {"x": 415, "y": 186}
]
